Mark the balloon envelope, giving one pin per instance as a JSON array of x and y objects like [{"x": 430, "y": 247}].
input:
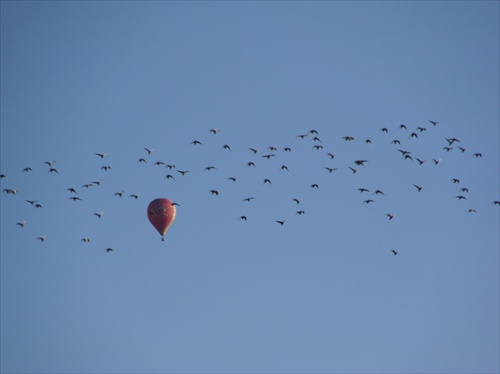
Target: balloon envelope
[{"x": 161, "y": 214}]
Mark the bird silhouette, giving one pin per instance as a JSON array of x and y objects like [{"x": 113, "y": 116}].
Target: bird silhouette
[
  {"x": 99, "y": 215},
  {"x": 74, "y": 198},
  {"x": 244, "y": 218},
  {"x": 369, "y": 201},
  {"x": 281, "y": 222},
  {"x": 101, "y": 155},
  {"x": 42, "y": 238},
  {"x": 21, "y": 224},
  {"x": 269, "y": 156},
  {"x": 135, "y": 195},
  {"x": 248, "y": 199},
  {"x": 196, "y": 142},
  {"x": 149, "y": 150},
  {"x": 27, "y": 169},
  {"x": 214, "y": 131},
  {"x": 419, "y": 188},
  {"x": 215, "y": 192},
  {"x": 314, "y": 185},
  {"x": 390, "y": 216},
  {"x": 461, "y": 197},
  {"x": 210, "y": 168},
  {"x": 394, "y": 252},
  {"x": 85, "y": 240},
  {"x": 362, "y": 189}
]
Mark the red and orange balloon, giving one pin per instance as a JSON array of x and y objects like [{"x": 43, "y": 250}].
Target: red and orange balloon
[{"x": 161, "y": 214}]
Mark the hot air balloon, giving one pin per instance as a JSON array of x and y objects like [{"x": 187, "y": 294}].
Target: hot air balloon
[{"x": 161, "y": 214}]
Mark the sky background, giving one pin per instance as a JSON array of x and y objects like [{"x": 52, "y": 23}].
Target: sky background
[{"x": 321, "y": 293}]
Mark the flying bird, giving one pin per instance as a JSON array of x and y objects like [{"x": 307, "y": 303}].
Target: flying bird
[
  {"x": 419, "y": 188},
  {"x": 85, "y": 240},
  {"x": 390, "y": 216},
  {"x": 210, "y": 168},
  {"x": 101, "y": 155},
  {"x": 394, "y": 252},
  {"x": 225, "y": 146},
  {"x": 27, "y": 169},
  {"x": 362, "y": 189},
  {"x": 461, "y": 197},
  {"x": 314, "y": 185},
  {"x": 243, "y": 218},
  {"x": 136, "y": 195},
  {"x": 281, "y": 222},
  {"x": 74, "y": 198},
  {"x": 72, "y": 190},
  {"x": 109, "y": 250},
  {"x": 369, "y": 201},
  {"x": 267, "y": 181},
  {"x": 297, "y": 201},
  {"x": 249, "y": 199},
  {"x": 21, "y": 224},
  {"x": 269, "y": 156},
  {"x": 148, "y": 150},
  {"x": 99, "y": 215},
  {"x": 214, "y": 131},
  {"x": 215, "y": 192},
  {"x": 42, "y": 238},
  {"x": 196, "y": 142}
]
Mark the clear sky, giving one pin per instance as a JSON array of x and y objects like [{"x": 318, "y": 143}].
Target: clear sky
[{"x": 321, "y": 293}]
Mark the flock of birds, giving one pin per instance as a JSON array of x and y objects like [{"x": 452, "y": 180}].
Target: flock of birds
[{"x": 270, "y": 152}]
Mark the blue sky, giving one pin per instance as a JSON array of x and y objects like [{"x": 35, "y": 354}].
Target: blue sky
[{"x": 320, "y": 293}]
